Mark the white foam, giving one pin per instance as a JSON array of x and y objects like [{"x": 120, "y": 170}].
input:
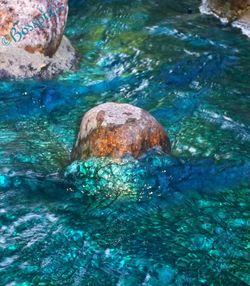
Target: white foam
[
  {"x": 245, "y": 27},
  {"x": 204, "y": 9}
]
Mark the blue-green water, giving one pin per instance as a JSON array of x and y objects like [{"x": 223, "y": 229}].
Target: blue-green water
[{"x": 163, "y": 220}]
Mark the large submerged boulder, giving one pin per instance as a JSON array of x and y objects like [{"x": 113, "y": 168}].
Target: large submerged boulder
[
  {"x": 115, "y": 130},
  {"x": 236, "y": 12},
  {"x": 31, "y": 39}
]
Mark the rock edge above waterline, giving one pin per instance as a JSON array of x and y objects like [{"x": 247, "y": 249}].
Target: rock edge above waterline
[
  {"x": 35, "y": 26},
  {"x": 236, "y": 12},
  {"x": 16, "y": 63},
  {"x": 32, "y": 44},
  {"x": 117, "y": 129}
]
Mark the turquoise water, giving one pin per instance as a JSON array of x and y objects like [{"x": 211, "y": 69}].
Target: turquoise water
[{"x": 163, "y": 220}]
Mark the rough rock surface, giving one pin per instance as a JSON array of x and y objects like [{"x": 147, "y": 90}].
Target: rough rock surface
[
  {"x": 31, "y": 39},
  {"x": 16, "y": 63},
  {"x": 47, "y": 17},
  {"x": 235, "y": 11},
  {"x": 230, "y": 9},
  {"x": 115, "y": 129}
]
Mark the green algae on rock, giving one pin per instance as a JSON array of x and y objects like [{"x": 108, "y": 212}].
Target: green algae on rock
[{"x": 115, "y": 130}]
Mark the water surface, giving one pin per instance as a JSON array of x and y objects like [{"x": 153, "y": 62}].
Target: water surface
[{"x": 178, "y": 220}]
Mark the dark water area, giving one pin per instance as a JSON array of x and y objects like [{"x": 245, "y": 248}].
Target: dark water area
[{"x": 161, "y": 220}]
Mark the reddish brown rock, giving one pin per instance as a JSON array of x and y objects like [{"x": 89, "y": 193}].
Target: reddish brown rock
[
  {"x": 36, "y": 26},
  {"x": 115, "y": 129}
]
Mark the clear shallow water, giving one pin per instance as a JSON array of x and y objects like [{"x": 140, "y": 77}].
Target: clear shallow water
[{"x": 179, "y": 220}]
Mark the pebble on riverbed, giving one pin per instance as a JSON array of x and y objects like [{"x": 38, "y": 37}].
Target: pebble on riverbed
[
  {"x": 116, "y": 129},
  {"x": 32, "y": 42}
]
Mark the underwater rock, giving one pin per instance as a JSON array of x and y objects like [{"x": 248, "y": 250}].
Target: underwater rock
[
  {"x": 235, "y": 11},
  {"x": 116, "y": 129},
  {"x": 32, "y": 42}
]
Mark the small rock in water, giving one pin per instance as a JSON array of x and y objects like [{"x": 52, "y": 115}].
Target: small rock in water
[{"x": 115, "y": 130}]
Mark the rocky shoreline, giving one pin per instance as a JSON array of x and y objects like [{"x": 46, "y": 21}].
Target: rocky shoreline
[{"x": 236, "y": 12}]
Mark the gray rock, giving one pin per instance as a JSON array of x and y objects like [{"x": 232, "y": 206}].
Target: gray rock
[{"x": 16, "y": 63}]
